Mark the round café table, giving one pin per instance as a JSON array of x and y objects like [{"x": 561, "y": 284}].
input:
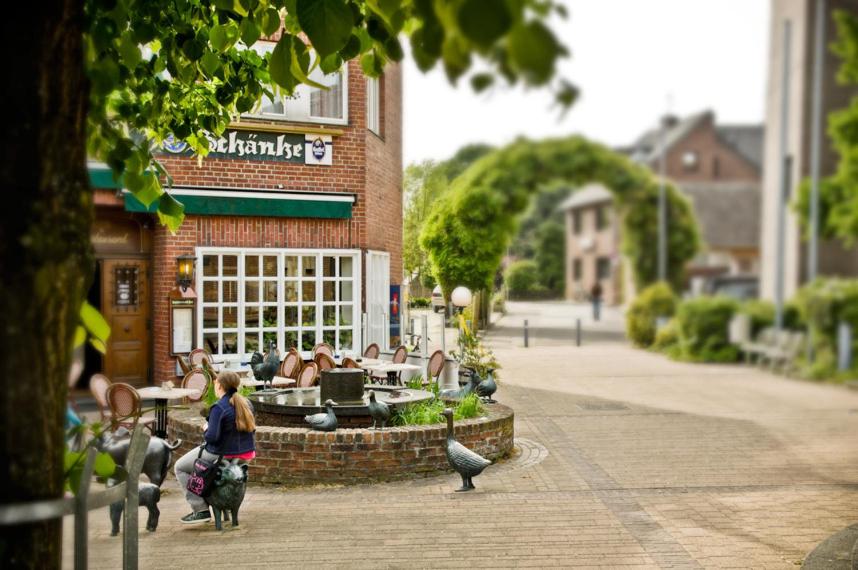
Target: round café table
[
  {"x": 394, "y": 370},
  {"x": 161, "y": 397}
]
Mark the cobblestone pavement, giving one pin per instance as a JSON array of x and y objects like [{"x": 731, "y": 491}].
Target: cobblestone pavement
[{"x": 624, "y": 459}]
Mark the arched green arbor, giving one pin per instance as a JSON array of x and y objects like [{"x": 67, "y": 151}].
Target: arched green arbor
[{"x": 470, "y": 228}]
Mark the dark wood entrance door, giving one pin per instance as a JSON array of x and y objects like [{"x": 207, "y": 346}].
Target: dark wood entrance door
[{"x": 125, "y": 305}]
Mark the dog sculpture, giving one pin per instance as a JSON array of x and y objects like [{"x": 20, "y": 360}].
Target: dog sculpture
[
  {"x": 228, "y": 492},
  {"x": 150, "y": 495},
  {"x": 158, "y": 455}
]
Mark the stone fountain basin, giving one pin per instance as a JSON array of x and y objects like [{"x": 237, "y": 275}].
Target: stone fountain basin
[{"x": 288, "y": 407}]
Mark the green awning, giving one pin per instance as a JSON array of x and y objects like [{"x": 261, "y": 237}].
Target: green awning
[
  {"x": 253, "y": 203},
  {"x": 102, "y": 177}
]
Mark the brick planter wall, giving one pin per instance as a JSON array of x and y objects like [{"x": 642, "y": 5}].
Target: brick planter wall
[{"x": 298, "y": 456}]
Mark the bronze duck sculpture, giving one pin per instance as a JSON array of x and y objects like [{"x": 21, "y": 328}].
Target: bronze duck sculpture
[
  {"x": 325, "y": 421},
  {"x": 379, "y": 411},
  {"x": 464, "y": 461},
  {"x": 487, "y": 387},
  {"x": 458, "y": 394}
]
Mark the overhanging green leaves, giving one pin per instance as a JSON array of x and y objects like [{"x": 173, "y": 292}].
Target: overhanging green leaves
[{"x": 328, "y": 24}]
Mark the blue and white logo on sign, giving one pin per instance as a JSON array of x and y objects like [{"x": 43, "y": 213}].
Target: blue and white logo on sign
[
  {"x": 319, "y": 149},
  {"x": 174, "y": 146}
]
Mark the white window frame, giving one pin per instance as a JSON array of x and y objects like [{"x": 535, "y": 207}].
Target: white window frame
[
  {"x": 318, "y": 304},
  {"x": 373, "y": 105},
  {"x": 298, "y": 109}
]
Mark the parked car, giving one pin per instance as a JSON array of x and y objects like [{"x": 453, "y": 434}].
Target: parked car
[
  {"x": 437, "y": 299},
  {"x": 739, "y": 287}
]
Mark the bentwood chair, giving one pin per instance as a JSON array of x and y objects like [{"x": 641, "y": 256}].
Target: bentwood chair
[
  {"x": 400, "y": 355},
  {"x": 197, "y": 356},
  {"x": 323, "y": 348},
  {"x": 291, "y": 365},
  {"x": 98, "y": 385},
  {"x": 196, "y": 380},
  {"x": 324, "y": 361},
  {"x": 308, "y": 375},
  {"x": 125, "y": 409},
  {"x": 435, "y": 367},
  {"x": 349, "y": 363},
  {"x": 371, "y": 351}
]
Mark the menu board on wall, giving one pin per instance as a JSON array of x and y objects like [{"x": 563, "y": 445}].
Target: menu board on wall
[{"x": 183, "y": 330}]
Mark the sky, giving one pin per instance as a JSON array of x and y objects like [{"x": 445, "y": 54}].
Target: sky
[{"x": 633, "y": 60}]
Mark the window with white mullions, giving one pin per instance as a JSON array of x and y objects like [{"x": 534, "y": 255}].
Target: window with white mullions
[{"x": 294, "y": 298}]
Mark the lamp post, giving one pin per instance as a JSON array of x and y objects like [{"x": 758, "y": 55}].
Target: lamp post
[{"x": 461, "y": 298}]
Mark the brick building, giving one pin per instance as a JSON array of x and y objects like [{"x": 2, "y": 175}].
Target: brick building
[
  {"x": 717, "y": 167},
  {"x": 294, "y": 221}
]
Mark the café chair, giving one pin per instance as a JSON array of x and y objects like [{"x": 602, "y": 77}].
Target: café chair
[{"x": 125, "y": 408}]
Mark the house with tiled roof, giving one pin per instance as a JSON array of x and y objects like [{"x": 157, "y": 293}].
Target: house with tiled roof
[{"x": 719, "y": 169}]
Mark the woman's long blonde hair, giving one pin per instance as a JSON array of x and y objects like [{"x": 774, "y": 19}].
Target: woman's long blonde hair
[{"x": 244, "y": 419}]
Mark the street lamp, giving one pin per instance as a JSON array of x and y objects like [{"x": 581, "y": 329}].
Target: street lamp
[
  {"x": 185, "y": 270},
  {"x": 461, "y": 298}
]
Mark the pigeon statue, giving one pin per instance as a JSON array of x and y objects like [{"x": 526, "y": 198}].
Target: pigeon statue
[
  {"x": 464, "y": 461},
  {"x": 487, "y": 388},
  {"x": 267, "y": 369},
  {"x": 326, "y": 421},
  {"x": 379, "y": 411}
]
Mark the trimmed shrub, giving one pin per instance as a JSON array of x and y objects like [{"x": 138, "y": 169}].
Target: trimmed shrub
[
  {"x": 522, "y": 278},
  {"x": 762, "y": 314},
  {"x": 655, "y": 301},
  {"x": 823, "y": 304},
  {"x": 703, "y": 329},
  {"x": 499, "y": 303},
  {"x": 667, "y": 336},
  {"x": 419, "y": 302}
]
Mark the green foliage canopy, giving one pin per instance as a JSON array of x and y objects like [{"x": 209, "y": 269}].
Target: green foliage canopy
[
  {"x": 521, "y": 277},
  {"x": 181, "y": 68},
  {"x": 468, "y": 231},
  {"x": 838, "y": 194}
]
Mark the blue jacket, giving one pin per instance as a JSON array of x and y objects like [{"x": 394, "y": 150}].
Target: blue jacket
[{"x": 222, "y": 436}]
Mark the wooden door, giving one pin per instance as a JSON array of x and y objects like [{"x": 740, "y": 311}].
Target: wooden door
[{"x": 125, "y": 305}]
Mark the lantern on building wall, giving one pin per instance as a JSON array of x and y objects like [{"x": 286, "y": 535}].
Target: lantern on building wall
[{"x": 185, "y": 270}]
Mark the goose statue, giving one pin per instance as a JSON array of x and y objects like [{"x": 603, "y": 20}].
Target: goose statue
[
  {"x": 326, "y": 421},
  {"x": 464, "y": 461},
  {"x": 379, "y": 411},
  {"x": 459, "y": 393},
  {"x": 487, "y": 387}
]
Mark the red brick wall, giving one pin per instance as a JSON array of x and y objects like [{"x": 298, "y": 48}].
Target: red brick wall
[
  {"x": 704, "y": 140},
  {"x": 363, "y": 164},
  {"x": 299, "y": 456}
]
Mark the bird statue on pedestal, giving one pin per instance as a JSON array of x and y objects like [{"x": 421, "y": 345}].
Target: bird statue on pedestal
[
  {"x": 458, "y": 394},
  {"x": 379, "y": 411},
  {"x": 487, "y": 387},
  {"x": 326, "y": 421},
  {"x": 266, "y": 368},
  {"x": 464, "y": 461}
]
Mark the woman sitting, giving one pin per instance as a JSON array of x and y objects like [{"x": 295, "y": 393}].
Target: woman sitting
[{"x": 228, "y": 433}]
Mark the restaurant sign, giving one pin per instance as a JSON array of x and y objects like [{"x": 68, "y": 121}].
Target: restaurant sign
[{"x": 248, "y": 145}]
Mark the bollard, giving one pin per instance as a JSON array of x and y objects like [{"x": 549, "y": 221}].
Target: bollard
[
  {"x": 844, "y": 346},
  {"x": 525, "y": 334},
  {"x": 578, "y": 332}
]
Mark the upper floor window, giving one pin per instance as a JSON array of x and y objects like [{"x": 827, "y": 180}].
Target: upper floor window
[
  {"x": 373, "y": 105},
  {"x": 308, "y": 104},
  {"x": 602, "y": 217},
  {"x": 576, "y": 222}
]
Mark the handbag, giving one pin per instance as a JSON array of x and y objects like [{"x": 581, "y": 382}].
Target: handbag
[{"x": 202, "y": 480}]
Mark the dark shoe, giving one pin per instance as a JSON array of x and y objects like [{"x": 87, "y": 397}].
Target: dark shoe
[{"x": 197, "y": 518}]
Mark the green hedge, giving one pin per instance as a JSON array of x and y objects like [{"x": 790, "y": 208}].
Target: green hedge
[
  {"x": 419, "y": 302},
  {"x": 655, "y": 301},
  {"x": 762, "y": 314},
  {"x": 522, "y": 279},
  {"x": 702, "y": 327},
  {"x": 823, "y": 304}
]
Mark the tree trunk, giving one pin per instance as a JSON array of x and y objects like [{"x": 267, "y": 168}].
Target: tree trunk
[{"x": 45, "y": 259}]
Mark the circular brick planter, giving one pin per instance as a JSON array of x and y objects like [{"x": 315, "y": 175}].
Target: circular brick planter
[{"x": 299, "y": 456}]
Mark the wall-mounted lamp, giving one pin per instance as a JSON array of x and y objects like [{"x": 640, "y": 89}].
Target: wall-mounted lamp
[{"x": 185, "y": 270}]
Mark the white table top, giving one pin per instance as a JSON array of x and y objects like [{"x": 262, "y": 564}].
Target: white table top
[
  {"x": 391, "y": 367},
  {"x": 158, "y": 393},
  {"x": 278, "y": 381},
  {"x": 370, "y": 362}
]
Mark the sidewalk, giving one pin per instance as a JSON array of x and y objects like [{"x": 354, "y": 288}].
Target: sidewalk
[{"x": 626, "y": 460}]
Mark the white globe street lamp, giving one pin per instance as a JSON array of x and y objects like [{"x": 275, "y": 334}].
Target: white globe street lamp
[{"x": 461, "y": 297}]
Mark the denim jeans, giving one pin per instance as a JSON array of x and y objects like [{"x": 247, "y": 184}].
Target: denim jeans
[{"x": 184, "y": 468}]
